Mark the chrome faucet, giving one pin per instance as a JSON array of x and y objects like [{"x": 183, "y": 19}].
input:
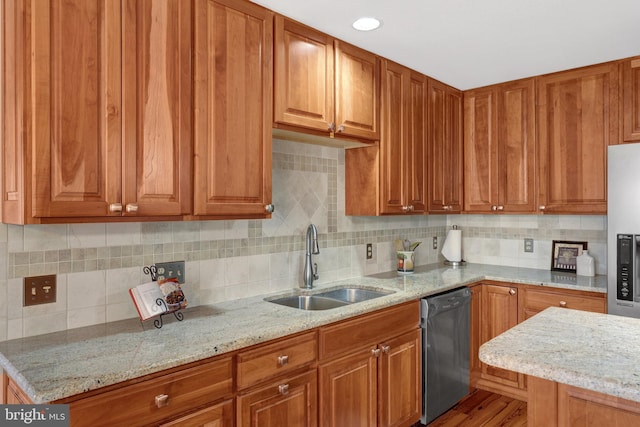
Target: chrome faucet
[{"x": 311, "y": 268}]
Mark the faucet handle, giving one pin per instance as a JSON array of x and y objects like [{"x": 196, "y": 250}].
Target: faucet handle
[{"x": 315, "y": 271}]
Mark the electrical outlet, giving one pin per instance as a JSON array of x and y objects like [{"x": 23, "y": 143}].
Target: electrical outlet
[
  {"x": 39, "y": 290},
  {"x": 171, "y": 269},
  {"x": 435, "y": 242},
  {"x": 528, "y": 245},
  {"x": 369, "y": 251}
]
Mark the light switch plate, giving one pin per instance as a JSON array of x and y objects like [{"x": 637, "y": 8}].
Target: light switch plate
[
  {"x": 39, "y": 290},
  {"x": 170, "y": 269}
]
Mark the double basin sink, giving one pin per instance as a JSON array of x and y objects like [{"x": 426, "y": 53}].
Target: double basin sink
[{"x": 330, "y": 299}]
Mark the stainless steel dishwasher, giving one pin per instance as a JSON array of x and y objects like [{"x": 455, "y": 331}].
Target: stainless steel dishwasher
[{"x": 445, "y": 322}]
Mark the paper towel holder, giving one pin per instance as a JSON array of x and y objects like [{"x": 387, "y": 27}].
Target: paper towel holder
[{"x": 454, "y": 264}]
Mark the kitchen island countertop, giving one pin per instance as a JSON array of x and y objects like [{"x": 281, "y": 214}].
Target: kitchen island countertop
[
  {"x": 593, "y": 351},
  {"x": 58, "y": 365}
]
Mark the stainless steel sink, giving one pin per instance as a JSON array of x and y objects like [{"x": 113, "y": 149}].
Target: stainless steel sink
[
  {"x": 330, "y": 299},
  {"x": 309, "y": 302},
  {"x": 353, "y": 295}
]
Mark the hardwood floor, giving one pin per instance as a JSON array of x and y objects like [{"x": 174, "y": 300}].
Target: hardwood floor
[{"x": 483, "y": 408}]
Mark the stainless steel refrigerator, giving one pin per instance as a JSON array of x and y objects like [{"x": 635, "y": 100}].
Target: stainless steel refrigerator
[{"x": 623, "y": 230}]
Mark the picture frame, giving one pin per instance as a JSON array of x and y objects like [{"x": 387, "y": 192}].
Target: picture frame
[{"x": 564, "y": 253}]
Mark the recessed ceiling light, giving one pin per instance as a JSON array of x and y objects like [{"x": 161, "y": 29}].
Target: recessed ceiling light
[{"x": 366, "y": 24}]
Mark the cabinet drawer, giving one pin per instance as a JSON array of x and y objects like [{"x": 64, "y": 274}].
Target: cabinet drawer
[
  {"x": 537, "y": 300},
  {"x": 136, "y": 404},
  {"x": 370, "y": 329},
  {"x": 275, "y": 359}
]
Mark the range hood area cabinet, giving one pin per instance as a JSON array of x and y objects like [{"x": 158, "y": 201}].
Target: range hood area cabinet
[
  {"x": 324, "y": 86},
  {"x": 96, "y": 109}
]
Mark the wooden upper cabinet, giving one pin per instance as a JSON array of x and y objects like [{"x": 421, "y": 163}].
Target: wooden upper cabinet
[
  {"x": 156, "y": 109},
  {"x": 100, "y": 123},
  {"x": 499, "y": 145},
  {"x": 357, "y": 78},
  {"x": 303, "y": 78},
  {"x": 577, "y": 119},
  {"x": 631, "y": 99},
  {"x": 403, "y": 140},
  {"x": 76, "y": 109},
  {"x": 324, "y": 85},
  {"x": 444, "y": 128},
  {"x": 233, "y": 112}
]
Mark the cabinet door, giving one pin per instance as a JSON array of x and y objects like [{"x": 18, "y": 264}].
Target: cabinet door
[
  {"x": 577, "y": 120},
  {"x": 303, "y": 76},
  {"x": 348, "y": 391},
  {"x": 220, "y": 415},
  {"x": 417, "y": 166},
  {"x": 480, "y": 150},
  {"x": 76, "y": 127},
  {"x": 357, "y": 79},
  {"x": 631, "y": 99},
  {"x": 393, "y": 140},
  {"x": 233, "y": 112},
  {"x": 400, "y": 384},
  {"x": 500, "y": 312},
  {"x": 157, "y": 107},
  {"x": 516, "y": 147},
  {"x": 290, "y": 402},
  {"x": 445, "y": 148}
]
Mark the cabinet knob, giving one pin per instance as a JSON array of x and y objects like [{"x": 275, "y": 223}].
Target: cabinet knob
[
  {"x": 406, "y": 208},
  {"x": 283, "y": 389},
  {"x": 340, "y": 128},
  {"x": 385, "y": 349},
  {"x": 494, "y": 208},
  {"x": 332, "y": 127},
  {"x": 132, "y": 208},
  {"x": 162, "y": 400},
  {"x": 542, "y": 207},
  {"x": 512, "y": 291},
  {"x": 563, "y": 303},
  {"x": 115, "y": 207},
  {"x": 270, "y": 208},
  {"x": 283, "y": 360},
  {"x": 500, "y": 208},
  {"x": 375, "y": 352}
]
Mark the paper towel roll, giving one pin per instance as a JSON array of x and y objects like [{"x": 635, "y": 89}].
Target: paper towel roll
[{"x": 452, "y": 248}]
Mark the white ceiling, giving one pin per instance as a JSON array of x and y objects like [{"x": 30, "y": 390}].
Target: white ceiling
[{"x": 473, "y": 43}]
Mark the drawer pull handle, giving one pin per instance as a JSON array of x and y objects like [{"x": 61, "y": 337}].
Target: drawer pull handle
[
  {"x": 563, "y": 303},
  {"x": 375, "y": 352},
  {"x": 283, "y": 360},
  {"x": 162, "y": 400},
  {"x": 385, "y": 349},
  {"x": 283, "y": 389},
  {"x": 512, "y": 291}
]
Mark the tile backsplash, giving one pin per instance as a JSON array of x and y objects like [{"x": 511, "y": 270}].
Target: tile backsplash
[{"x": 96, "y": 264}]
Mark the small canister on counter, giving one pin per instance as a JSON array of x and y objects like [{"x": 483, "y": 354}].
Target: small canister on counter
[{"x": 405, "y": 261}]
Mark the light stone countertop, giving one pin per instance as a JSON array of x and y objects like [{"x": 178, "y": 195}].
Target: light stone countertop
[
  {"x": 58, "y": 365},
  {"x": 598, "y": 352}
]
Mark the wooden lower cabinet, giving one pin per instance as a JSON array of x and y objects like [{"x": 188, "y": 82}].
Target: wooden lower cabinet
[
  {"x": 376, "y": 384},
  {"x": 220, "y": 415},
  {"x": 498, "y": 306},
  {"x": 552, "y": 404},
  {"x": 193, "y": 394},
  {"x": 499, "y": 312},
  {"x": 286, "y": 402}
]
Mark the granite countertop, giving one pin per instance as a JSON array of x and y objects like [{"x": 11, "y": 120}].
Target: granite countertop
[
  {"x": 594, "y": 351},
  {"x": 58, "y": 365}
]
